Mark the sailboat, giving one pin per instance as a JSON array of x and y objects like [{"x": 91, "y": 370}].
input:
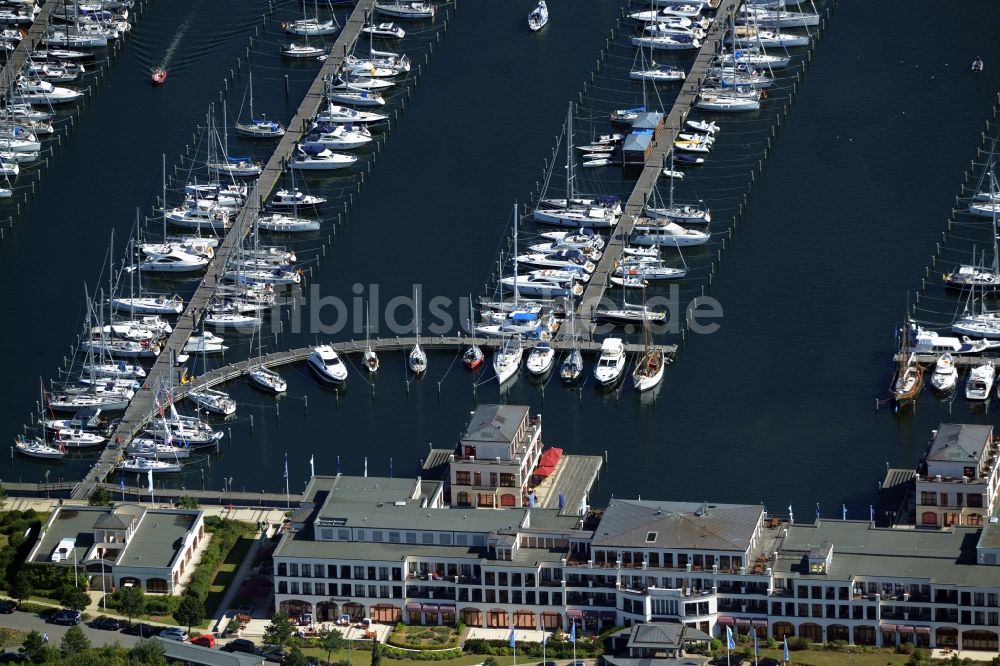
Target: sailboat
[
  {"x": 473, "y": 356},
  {"x": 909, "y": 376},
  {"x": 236, "y": 167},
  {"x": 973, "y": 275},
  {"x": 538, "y": 17},
  {"x": 572, "y": 214},
  {"x": 507, "y": 359},
  {"x": 263, "y": 377},
  {"x": 649, "y": 370},
  {"x": 259, "y": 128},
  {"x": 370, "y": 358},
  {"x": 311, "y": 26},
  {"x": 572, "y": 365},
  {"x": 685, "y": 214},
  {"x": 417, "y": 359}
]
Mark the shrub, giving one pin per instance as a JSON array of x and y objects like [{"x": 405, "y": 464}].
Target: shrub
[
  {"x": 422, "y": 655},
  {"x": 905, "y": 648},
  {"x": 796, "y": 643}
]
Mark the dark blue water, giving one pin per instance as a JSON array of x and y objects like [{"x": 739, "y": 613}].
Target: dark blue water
[{"x": 778, "y": 406}]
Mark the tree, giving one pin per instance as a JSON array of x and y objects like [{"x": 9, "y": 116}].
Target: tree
[
  {"x": 186, "y": 503},
  {"x": 35, "y": 649},
  {"x": 74, "y": 641},
  {"x": 330, "y": 640},
  {"x": 132, "y": 602},
  {"x": 376, "y": 653},
  {"x": 74, "y": 597},
  {"x": 189, "y": 612},
  {"x": 280, "y": 631},
  {"x": 295, "y": 658},
  {"x": 491, "y": 661},
  {"x": 20, "y": 589},
  {"x": 3, "y": 497},
  {"x": 147, "y": 653},
  {"x": 100, "y": 497}
]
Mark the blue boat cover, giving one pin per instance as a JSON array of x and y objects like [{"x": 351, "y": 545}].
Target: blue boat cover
[{"x": 524, "y": 316}]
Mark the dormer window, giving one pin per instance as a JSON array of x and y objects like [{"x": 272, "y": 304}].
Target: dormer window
[{"x": 650, "y": 537}]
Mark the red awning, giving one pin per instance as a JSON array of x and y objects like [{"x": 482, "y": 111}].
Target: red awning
[
  {"x": 413, "y": 605},
  {"x": 888, "y": 627},
  {"x": 742, "y": 622},
  {"x": 923, "y": 630},
  {"x": 550, "y": 456},
  {"x": 572, "y": 612},
  {"x": 905, "y": 629},
  {"x": 724, "y": 620},
  {"x": 446, "y": 609},
  {"x": 430, "y": 608},
  {"x": 759, "y": 623}
]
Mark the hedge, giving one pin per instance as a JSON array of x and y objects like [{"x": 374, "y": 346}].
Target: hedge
[
  {"x": 421, "y": 655},
  {"x": 555, "y": 649},
  {"x": 14, "y": 525}
]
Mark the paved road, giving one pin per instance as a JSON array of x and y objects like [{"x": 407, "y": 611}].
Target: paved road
[{"x": 29, "y": 621}]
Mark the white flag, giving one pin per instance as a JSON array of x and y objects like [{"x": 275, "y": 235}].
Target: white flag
[{"x": 149, "y": 473}]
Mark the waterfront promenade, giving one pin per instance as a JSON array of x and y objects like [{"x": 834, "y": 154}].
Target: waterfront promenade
[{"x": 143, "y": 402}]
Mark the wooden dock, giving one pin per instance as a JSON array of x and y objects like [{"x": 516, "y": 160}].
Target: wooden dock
[
  {"x": 673, "y": 124},
  {"x": 142, "y": 404},
  {"x": 19, "y": 56}
]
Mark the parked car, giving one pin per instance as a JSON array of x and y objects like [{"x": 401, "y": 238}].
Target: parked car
[
  {"x": 141, "y": 629},
  {"x": 240, "y": 645},
  {"x": 107, "y": 623},
  {"x": 8, "y": 607},
  {"x": 13, "y": 658},
  {"x": 204, "y": 640},
  {"x": 546, "y": 663},
  {"x": 174, "y": 634},
  {"x": 273, "y": 653},
  {"x": 66, "y": 616}
]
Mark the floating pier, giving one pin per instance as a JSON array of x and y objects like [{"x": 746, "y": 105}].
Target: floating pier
[
  {"x": 19, "y": 56},
  {"x": 142, "y": 404},
  {"x": 673, "y": 124}
]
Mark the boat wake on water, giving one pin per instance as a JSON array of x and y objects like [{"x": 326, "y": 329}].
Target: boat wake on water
[{"x": 174, "y": 43}]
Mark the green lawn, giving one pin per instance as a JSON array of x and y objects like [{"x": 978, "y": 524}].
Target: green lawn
[
  {"x": 824, "y": 658},
  {"x": 226, "y": 573},
  {"x": 364, "y": 658}
]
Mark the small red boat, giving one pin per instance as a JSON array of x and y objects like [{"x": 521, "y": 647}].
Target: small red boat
[
  {"x": 472, "y": 358},
  {"x": 159, "y": 76}
]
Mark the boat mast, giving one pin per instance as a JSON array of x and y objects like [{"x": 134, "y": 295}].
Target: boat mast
[
  {"x": 515, "y": 255},
  {"x": 569, "y": 156},
  {"x": 251, "y": 94},
  {"x": 164, "y": 168},
  {"x": 993, "y": 207}
]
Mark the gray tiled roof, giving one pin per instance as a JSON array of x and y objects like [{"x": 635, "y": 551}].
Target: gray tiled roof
[
  {"x": 644, "y": 524},
  {"x": 495, "y": 423},
  {"x": 958, "y": 442}
]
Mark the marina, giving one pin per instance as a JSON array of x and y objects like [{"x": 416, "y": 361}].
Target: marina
[{"x": 704, "y": 265}]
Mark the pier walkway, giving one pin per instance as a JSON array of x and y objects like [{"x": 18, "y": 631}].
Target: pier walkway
[
  {"x": 19, "y": 56},
  {"x": 142, "y": 404},
  {"x": 673, "y": 124}
]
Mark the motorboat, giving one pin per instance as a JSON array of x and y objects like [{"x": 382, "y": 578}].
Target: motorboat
[
  {"x": 538, "y": 17},
  {"x": 295, "y": 199},
  {"x": 212, "y": 401},
  {"x": 754, "y": 58},
  {"x": 610, "y": 362},
  {"x": 77, "y": 438},
  {"x": 322, "y": 159},
  {"x": 148, "y": 465},
  {"x": 980, "y": 382},
  {"x": 344, "y": 114},
  {"x": 158, "y": 305},
  {"x": 507, "y": 360},
  {"x": 923, "y": 341},
  {"x": 267, "y": 379},
  {"x": 629, "y": 281},
  {"x": 648, "y": 270},
  {"x": 567, "y": 260},
  {"x": 702, "y": 126},
  {"x": 667, "y": 233},
  {"x": 405, "y": 10},
  {"x": 89, "y": 419},
  {"x": 945, "y": 375},
  {"x": 146, "y": 447},
  {"x": 541, "y": 359},
  {"x": 384, "y": 31},
  {"x": 582, "y": 240},
  {"x": 327, "y": 366},
  {"x": 171, "y": 259},
  {"x": 158, "y": 76},
  {"x": 284, "y": 224},
  {"x": 339, "y": 137},
  {"x": 591, "y": 217},
  {"x": 204, "y": 343},
  {"x": 36, "y": 448},
  {"x": 302, "y": 51}
]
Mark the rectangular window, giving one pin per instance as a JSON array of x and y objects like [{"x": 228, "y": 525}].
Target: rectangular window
[
  {"x": 383, "y": 591},
  {"x": 650, "y": 537},
  {"x": 294, "y": 587},
  {"x": 944, "y": 499},
  {"x": 344, "y": 535},
  {"x": 463, "y": 479},
  {"x": 393, "y": 537},
  {"x": 293, "y": 569},
  {"x": 359, "y": 573},
  {"x": 359, "y": 590},
  {"x": 320, "y": 589},
  {"x": 928, "y": 498},
  {"x": 461, "y": 539},
  {"x": 444, "y": 539},
  {"x": 427, "y": 538},
  {"x": 507, "y": 480},
  {"x": 478, "y": 540},
  {"x": 377, "y": 536},
  {"x": 411, "y": 537},
  {"x": 326, "y": 534},
  {"x": 493, "y": 479},
  {"x": 306, "y": 588},
  {"x": 306, "y": 570}
]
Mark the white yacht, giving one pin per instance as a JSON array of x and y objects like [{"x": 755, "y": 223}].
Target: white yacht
[
  {"x": 212, "y": 401},
  {"x": 343, "y": 114},
  {"x": 204, "y": 343},
  {"x": 159, "y": 305},
  {"x": 322, "y": 160},
  {"x": 668, "y": 234},
  {"x": 611, "y": 362},
  {"x": 945, "y": 375},
  {"x": 540, "y": 359},
  {"x": 285, "y": 224},
  {"x": 35, "y": 448},
  {"x": 339, "y": 136},
  {"x": 327, "y": 365},
  {"x": 295, "y": 199},
  {"x": 980, "y": 382},
  {"x": 384, "y": 31},
  {"x": 77, "y": 438},
  {"x": 302, "y": 51},
  {"x": 406, "y": 10},
  {"x": 147, "y": 465},
  {"x": 145, "y": 447}
]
